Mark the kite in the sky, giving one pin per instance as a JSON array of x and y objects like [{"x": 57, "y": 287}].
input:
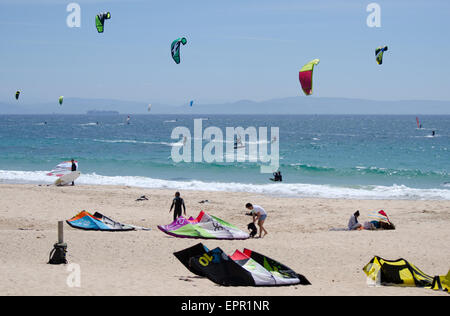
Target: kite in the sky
[
  {"x": 191, "y": 103},
  {"x": 61, "y": 100},
  {"x": 17, "y": 95},
  {"x": 379, "y": 54},
  {"x": 100, "y": 21},
  {"x": 175, "y": 48},
  {"x": 306, "y": 76}
]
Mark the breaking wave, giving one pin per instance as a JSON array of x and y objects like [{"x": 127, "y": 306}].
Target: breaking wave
[{"x": 277, "y": 189}]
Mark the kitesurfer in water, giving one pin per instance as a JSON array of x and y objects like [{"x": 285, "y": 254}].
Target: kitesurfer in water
[
  {"x": 433, "y": 133},
  {"x": 277, "y": 177},
  {"x": 259, "y": 214},
  {"x": 178, "y": 204},
  {"x": 74, "y": 168}
]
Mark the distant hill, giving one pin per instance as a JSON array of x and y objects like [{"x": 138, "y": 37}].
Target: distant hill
[{"x": 292, "y": 105}]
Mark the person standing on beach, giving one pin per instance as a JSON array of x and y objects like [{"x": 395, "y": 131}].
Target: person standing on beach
[
  {"x": 178, "y": 204},
  {"x": 259, "y": 214},
  {"x": 74, "y": 168}
]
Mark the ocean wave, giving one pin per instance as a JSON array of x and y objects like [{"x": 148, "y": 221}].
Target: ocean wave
[
  {"x": 89, "y": 124},
  {"x": 362, "y": 170},
  {"x": 128, "y": 141},
  {"x": 277, "y": 189}
]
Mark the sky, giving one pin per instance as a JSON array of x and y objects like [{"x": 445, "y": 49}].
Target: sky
[{"x": 236, "y": 50}]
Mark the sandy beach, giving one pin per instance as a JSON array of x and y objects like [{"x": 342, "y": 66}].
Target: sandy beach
[{"x": 142, "y": 263}]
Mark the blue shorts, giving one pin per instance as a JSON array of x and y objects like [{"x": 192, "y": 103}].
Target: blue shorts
[{"x": 262, "y": 218}]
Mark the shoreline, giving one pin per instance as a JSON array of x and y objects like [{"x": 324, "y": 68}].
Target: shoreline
[
  {"x": 142, "y": 263},
  {"x": 285, "y": 189}
]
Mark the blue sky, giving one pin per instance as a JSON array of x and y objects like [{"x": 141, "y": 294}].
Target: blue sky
[{"x": 237, "y": 49}]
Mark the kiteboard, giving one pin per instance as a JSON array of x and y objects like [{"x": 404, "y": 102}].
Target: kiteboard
[{"x": 68, "y": 178}]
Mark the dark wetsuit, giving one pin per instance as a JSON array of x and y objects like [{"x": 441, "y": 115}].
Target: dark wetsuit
[
  {"x": 74, "y": 168},
  {"x": 178, "y": 203}
]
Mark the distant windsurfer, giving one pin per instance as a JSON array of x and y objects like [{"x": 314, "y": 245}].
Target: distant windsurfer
[
  {"x": 259, "y": 214},
  {"x": 433, "y": 133},
  {"x": 74, "y": 168},
  {"x": 238, "y": 142},
  {"x": 178, "y": 204}
]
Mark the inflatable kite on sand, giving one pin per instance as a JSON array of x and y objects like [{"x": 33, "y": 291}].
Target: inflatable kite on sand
[
  {"x": 86, "y": 221},
  {"x": 62, "y": 169},
  {"x": 402, "y": 273},
  {"x": 204, "y": 226},
  {"x": 247, "y": 268}
]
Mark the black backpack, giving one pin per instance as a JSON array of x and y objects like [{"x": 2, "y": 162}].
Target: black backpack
[
  {"x": 58, "y": 254},
  {"x": 253, "y": 229}
]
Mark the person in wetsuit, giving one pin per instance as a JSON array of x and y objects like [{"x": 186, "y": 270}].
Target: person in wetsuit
[
  {"x": 178, "y": 204},
  {"x": 74, "y": 168},
  {"x": 277, "y": 177}
]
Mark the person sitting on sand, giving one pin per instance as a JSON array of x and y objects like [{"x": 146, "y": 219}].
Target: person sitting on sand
[
  {"x": 178, "y": 203},
  {"x": 259, "y": 214},
  {"x": 353, "y": 222}
]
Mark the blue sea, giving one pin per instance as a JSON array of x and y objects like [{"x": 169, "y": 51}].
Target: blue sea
[{"x": 345, "y": 156}]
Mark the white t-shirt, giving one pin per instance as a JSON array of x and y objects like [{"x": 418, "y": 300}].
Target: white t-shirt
[{"x": 258, "y": 209}]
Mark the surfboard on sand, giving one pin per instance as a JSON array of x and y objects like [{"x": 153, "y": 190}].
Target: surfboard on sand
[{"x": 68, "y": 178}]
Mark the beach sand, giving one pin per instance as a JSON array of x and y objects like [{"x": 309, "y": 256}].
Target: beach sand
[{"x": 142, "y": 263}]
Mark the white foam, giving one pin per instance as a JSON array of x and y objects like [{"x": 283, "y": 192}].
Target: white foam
[
  {"x": 277, "y": 189},
  {"x": 128, "y": 141}
]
